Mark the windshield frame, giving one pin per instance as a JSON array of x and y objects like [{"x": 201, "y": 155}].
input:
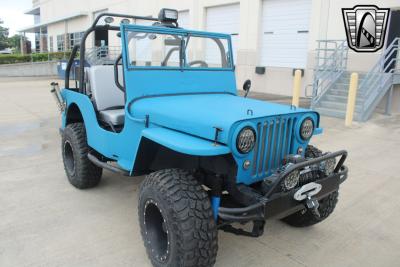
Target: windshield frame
[{"x": 186, "y": 34}]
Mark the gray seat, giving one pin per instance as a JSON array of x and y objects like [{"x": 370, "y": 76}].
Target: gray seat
[
  {"x": 106, "y": 96},
  {"x": 114, "y": 116}
]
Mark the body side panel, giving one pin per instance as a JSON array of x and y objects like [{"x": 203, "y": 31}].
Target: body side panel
[
  {"x": 184, "y": 143},
  {"x": 123, "y": 146}
]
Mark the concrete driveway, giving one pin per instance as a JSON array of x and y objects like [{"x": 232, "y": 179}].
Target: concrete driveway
[{"x": 46, "y": 222}]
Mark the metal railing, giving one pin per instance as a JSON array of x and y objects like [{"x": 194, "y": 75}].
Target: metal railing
[
  {"x": 95, "y": 56},
  {"x": 380, "y": 78},
  {"x": 330, "y": 64},
  {"x": 102, "y": 55}
]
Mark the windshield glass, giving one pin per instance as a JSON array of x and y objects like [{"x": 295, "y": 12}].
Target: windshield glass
[{"x": 160, "y": 50}]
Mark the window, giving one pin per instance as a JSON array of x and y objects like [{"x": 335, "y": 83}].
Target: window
[
  {"x": 206, "y": 52},
  {"x": 75, "y": 38},
  {"x": 51, "y": 44},
  {"x": 153, "y": 49},
  {"x": 37, "y": 42},
  {"x": 61, "y": 42},
  {"x": 147, "y": 49}
]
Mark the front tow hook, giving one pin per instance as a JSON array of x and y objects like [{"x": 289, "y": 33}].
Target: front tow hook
[
  {"x": 313, "y": 205},
  {"x": 306, "y": 193}
]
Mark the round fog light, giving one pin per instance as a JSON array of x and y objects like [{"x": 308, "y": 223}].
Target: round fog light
[
  {"x": 328, "y": 166},
  {"x": 246, "y": 164},
  {"x": 291, "y": 180}
]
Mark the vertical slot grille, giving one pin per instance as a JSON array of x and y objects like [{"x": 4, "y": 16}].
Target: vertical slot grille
[{"x": 274, "y": 140}]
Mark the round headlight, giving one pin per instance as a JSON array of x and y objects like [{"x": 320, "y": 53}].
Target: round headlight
[
  {"x": 306, "y": 129},
  {"x": 246, "y": 140}
]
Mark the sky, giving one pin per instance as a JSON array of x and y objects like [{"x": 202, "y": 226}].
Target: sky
[{"x": 12, "y": 13}]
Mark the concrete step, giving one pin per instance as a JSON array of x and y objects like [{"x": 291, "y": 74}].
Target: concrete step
[
  {"x": 341, "y": 92},
  {"x": 342, "y": 86},
  {"x": 334, "y": 113},
  {"x": 347, "y": 79},
  {"x": 340, "y": 99},
  {"x": 331, "y": 112},
  {"x": 337, "y": 106},
  {"x": 361, "y": 75}
]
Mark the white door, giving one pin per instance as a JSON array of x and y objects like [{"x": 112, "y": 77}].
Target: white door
[
  {"x": 284, "y": 33},
  {"x": 225, "y": 19}
]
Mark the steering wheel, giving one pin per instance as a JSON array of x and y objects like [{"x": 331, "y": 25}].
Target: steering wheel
[
  {"x": 198, "y": 62},
  {"x": 116, "y": 76}
]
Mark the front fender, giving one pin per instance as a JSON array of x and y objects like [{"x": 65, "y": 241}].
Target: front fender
[{"x": 184, "y": 143}]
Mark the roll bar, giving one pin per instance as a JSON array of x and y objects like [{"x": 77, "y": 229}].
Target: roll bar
[
  {"x": 82, "y": 45},
  {"x": 69, "y": 64},
  {"x": 116, "y": 76},
  {"x": 93, "y": 27},
  {"x": 120, "y": 16}
]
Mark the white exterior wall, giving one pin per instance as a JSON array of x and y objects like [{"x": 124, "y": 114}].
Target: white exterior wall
[{"x": 325, "y": 23}]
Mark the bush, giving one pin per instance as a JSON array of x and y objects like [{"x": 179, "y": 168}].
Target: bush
[
  {"x": 9, "y": 59},
  {"x": 37, "y": 57}
]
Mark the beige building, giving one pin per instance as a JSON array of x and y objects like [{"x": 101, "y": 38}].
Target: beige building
[{"x": 270, "y": 37}]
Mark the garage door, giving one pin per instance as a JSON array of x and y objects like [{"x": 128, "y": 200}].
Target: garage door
[
  {"x": 183, "y": 19},
  {"x": 224, "y": 19},
  {"x": 284, "y": 36}
]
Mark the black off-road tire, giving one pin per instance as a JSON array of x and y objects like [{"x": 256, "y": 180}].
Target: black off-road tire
[
  {"x": 305, "y": 217},
  {"x": 176, "y": 220},
  {"x": 81, "y": 172}
]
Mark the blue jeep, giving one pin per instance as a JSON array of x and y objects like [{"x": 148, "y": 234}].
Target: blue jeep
[{"x": 166, "y": 106}]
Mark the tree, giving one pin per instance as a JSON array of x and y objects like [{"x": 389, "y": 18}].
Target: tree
[
  {"x": 15, "y": 42},
  {"x": 3, "y": 36}
]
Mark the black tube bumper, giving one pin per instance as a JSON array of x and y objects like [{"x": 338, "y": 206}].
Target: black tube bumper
[{"x": 281, "y": 204}]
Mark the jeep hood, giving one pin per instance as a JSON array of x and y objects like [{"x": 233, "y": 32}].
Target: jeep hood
[{"x": 199, "y": 114}]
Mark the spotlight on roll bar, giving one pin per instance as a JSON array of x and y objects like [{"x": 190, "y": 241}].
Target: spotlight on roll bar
[
  {"x": 168, "y": 15},
  {"x": 125, "y": 21},
  {"x": 109, "y": 20}
]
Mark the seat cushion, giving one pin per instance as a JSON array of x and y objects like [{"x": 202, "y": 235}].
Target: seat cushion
[
  {"x": 113, "y": 116},
  {"x": 105, "y": 93}
]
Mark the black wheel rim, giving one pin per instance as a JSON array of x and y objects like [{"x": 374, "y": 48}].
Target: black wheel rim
[
  {"x": 156, "y": 231},
  {"x": 69, "y": 158}
]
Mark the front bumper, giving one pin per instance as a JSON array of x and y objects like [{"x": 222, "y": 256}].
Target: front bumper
[{"x": 275, "y": 203}]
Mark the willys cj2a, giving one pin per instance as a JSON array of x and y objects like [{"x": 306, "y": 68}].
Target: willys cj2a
[{"x": 164, "y": 104}]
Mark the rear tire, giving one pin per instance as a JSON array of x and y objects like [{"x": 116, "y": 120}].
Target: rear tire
[
  {"x": 176, "y": 220},
  {"x": 81, "y": 172}
]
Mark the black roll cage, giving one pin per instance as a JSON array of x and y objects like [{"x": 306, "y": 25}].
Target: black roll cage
[{"x": 82, "y": 45}]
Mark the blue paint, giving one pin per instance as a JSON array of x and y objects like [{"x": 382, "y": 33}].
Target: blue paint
[
  {"x": 318, "y": 131},
  {"x": 185, "y": 123},
  {"x": 185, "y": 143},
  {"x": 215, "y": 204}
]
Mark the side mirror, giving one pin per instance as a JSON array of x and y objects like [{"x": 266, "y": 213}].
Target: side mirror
[{"x": 246, "y": 87}]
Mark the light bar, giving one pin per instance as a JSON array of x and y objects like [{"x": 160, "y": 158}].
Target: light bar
[{"x": 168, "y": 15}]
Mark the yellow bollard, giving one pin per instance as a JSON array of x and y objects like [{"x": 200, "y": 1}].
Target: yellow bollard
[
  {"x": 351, "y": 100},
  {"x": 296, "y": 88}
]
